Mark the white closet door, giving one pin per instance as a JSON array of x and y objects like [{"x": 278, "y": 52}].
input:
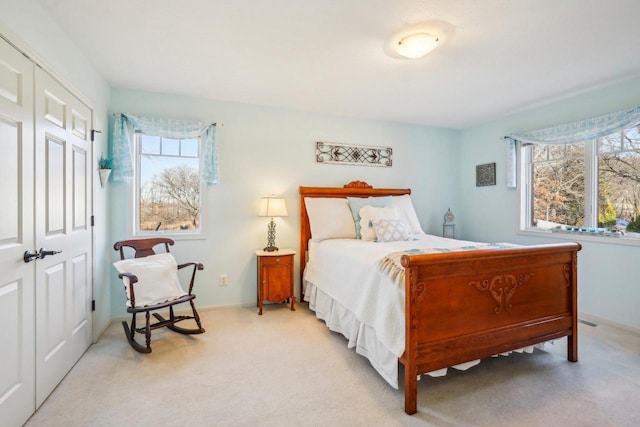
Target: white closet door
[
  {"x": 17, "y": 317},
  {"x": 62, "y": 223}
]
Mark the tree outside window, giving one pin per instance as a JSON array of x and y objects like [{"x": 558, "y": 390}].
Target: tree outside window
[
  {"x": 558, "y": 182},
  {"x": 619, "y": 178},
  {"x": 568, "y": 180},
  {"x": 168, "y": 185}
]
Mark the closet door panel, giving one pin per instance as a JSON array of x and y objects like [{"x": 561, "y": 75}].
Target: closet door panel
[
  {"x": 11, "y": 167},
  {"x": 17, "y": 278},
  {"x": 63, "y": 208},
  {"x": 54, "y": 203},
  {"x": 81, "y": 179}
]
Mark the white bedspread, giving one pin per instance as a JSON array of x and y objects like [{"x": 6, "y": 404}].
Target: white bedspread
[
  {"x": 346, "y": 289},
  {"x": 347, "y": 271}
]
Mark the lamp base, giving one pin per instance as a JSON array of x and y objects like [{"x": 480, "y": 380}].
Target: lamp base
[{"x": 271, "y": 237}]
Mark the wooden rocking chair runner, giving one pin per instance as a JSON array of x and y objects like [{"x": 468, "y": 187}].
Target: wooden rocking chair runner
[{"x": 167, "y": 294}]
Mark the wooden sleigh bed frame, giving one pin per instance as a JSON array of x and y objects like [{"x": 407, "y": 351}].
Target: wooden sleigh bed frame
[{"x": 468, "y": 305}]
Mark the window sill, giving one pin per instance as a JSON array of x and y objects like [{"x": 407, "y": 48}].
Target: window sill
[
  {"x": 170, "y": 235},
  {"x": 625, "y": 240}
]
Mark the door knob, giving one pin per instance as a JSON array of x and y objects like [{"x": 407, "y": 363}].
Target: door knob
[
  {"x": 28, "y": 256},
  {"x": 44, "y": 253}
]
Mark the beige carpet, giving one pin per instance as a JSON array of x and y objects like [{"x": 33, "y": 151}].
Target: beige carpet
[{"x": 286, "y": 369}]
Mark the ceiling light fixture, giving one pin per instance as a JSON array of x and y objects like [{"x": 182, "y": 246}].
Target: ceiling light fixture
[{"x": 416, "y": 45}]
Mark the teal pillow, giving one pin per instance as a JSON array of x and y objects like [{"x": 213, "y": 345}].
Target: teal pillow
[{"x": 355, "y": 203}]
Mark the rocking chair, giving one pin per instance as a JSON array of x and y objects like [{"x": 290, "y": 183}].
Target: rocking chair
[{"x": 151, "y": 283}]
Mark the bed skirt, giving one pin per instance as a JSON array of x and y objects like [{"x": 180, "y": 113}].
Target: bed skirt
[{"x": 363, "y": 337}]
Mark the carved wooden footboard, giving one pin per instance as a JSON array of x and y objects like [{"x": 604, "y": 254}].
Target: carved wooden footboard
[{"x": 463, "y": 306}]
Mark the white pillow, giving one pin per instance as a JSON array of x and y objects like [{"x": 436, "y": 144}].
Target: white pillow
[
  {"x": 330, "y": 218},
  {"x": 157, "y": 279},
  {"x": 408, "y": 213},
  {"x": 390, "y": 230},
  {"x": 370, "y": 213}
]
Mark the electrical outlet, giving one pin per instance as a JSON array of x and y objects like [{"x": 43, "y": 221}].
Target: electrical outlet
[{"x": 224, "y": 280}]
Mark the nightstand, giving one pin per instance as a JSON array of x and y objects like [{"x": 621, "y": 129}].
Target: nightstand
[{"x": 275, "y": 277}]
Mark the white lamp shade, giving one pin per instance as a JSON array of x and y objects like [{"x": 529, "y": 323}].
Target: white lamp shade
[
  {"x": 417, "y": 45},
  {"x": 272, "y": 206}
]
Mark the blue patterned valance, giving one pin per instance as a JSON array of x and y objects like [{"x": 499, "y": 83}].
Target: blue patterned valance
[
  {"x": 582, "y": 130},
  {"x": 166, "y": 128}
]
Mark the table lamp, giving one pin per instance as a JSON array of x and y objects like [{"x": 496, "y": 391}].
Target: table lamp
[{"x": 272, "y": 207}]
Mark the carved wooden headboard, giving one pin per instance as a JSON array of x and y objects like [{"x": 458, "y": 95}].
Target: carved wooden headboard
[{"x": 352, "y": 189}]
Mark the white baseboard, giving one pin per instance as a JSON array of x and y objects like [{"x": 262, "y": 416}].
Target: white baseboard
[
  {"x": 601, "y": 320},
  {"x": 101, "y": 330}
]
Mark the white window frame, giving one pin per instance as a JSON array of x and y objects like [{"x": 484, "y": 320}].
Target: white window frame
[
  {"x": 134, "y": 198},
  {"x": 525, "y": 199}
]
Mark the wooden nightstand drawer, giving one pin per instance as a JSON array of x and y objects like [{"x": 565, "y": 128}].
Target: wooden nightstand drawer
[
  {"x": 275, "y": 277},
  {"x": 277, "y": 260}
]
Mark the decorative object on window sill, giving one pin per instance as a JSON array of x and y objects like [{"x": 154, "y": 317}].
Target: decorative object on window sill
[
  {"x": 104, "y": 169},
  {"x": 485, "y": 175},
  {"x": 365, "y": 155},
  {"x": 449, "y": 226},
  {"x": 272, "y": 206}
]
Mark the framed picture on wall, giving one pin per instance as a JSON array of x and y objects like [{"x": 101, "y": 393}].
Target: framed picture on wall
[{"x": 485, "y": 175}]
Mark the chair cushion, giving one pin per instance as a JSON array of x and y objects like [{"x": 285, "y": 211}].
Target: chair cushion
[{"x": 157, "y": 279}]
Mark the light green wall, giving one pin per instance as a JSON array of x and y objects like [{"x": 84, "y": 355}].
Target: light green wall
[
  {"x": 267, "y": 151},
  {"x": 608, "y": 283}
]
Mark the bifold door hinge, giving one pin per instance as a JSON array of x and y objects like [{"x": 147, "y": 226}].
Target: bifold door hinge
[
  {"x": 93, "y": 220},
  {"x": 93, "y": 305}
]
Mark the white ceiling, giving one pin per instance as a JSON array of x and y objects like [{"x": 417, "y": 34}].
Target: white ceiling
[{"x": 333, "y": 56}]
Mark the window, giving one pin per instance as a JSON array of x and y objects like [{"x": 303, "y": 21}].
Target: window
[
  {"x": 168, "y": 196},
  {"x": 558, "y": 185},
  {"x": 619, "y": 179},
  {"x": 592, "y": 185}
]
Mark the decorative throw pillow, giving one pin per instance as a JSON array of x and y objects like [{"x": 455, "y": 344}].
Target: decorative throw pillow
[
  {"x": 390, "y": 230},
  {"x": 329, "y": 218},
  {"x": 157, "y": 279},
  {"x": 357, "y": 203},
  {"x": 370, "y": 213}
]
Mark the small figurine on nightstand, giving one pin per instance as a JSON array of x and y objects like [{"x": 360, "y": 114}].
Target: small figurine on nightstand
[{"x": 448, "y": 227}]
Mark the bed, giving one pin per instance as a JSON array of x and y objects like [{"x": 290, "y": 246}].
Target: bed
[{"x": 457, "y": 306}]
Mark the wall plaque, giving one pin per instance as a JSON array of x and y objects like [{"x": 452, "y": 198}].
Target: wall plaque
[
  {"x": 485, "y": 175},
  {"x": 327, "y": 152}
]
